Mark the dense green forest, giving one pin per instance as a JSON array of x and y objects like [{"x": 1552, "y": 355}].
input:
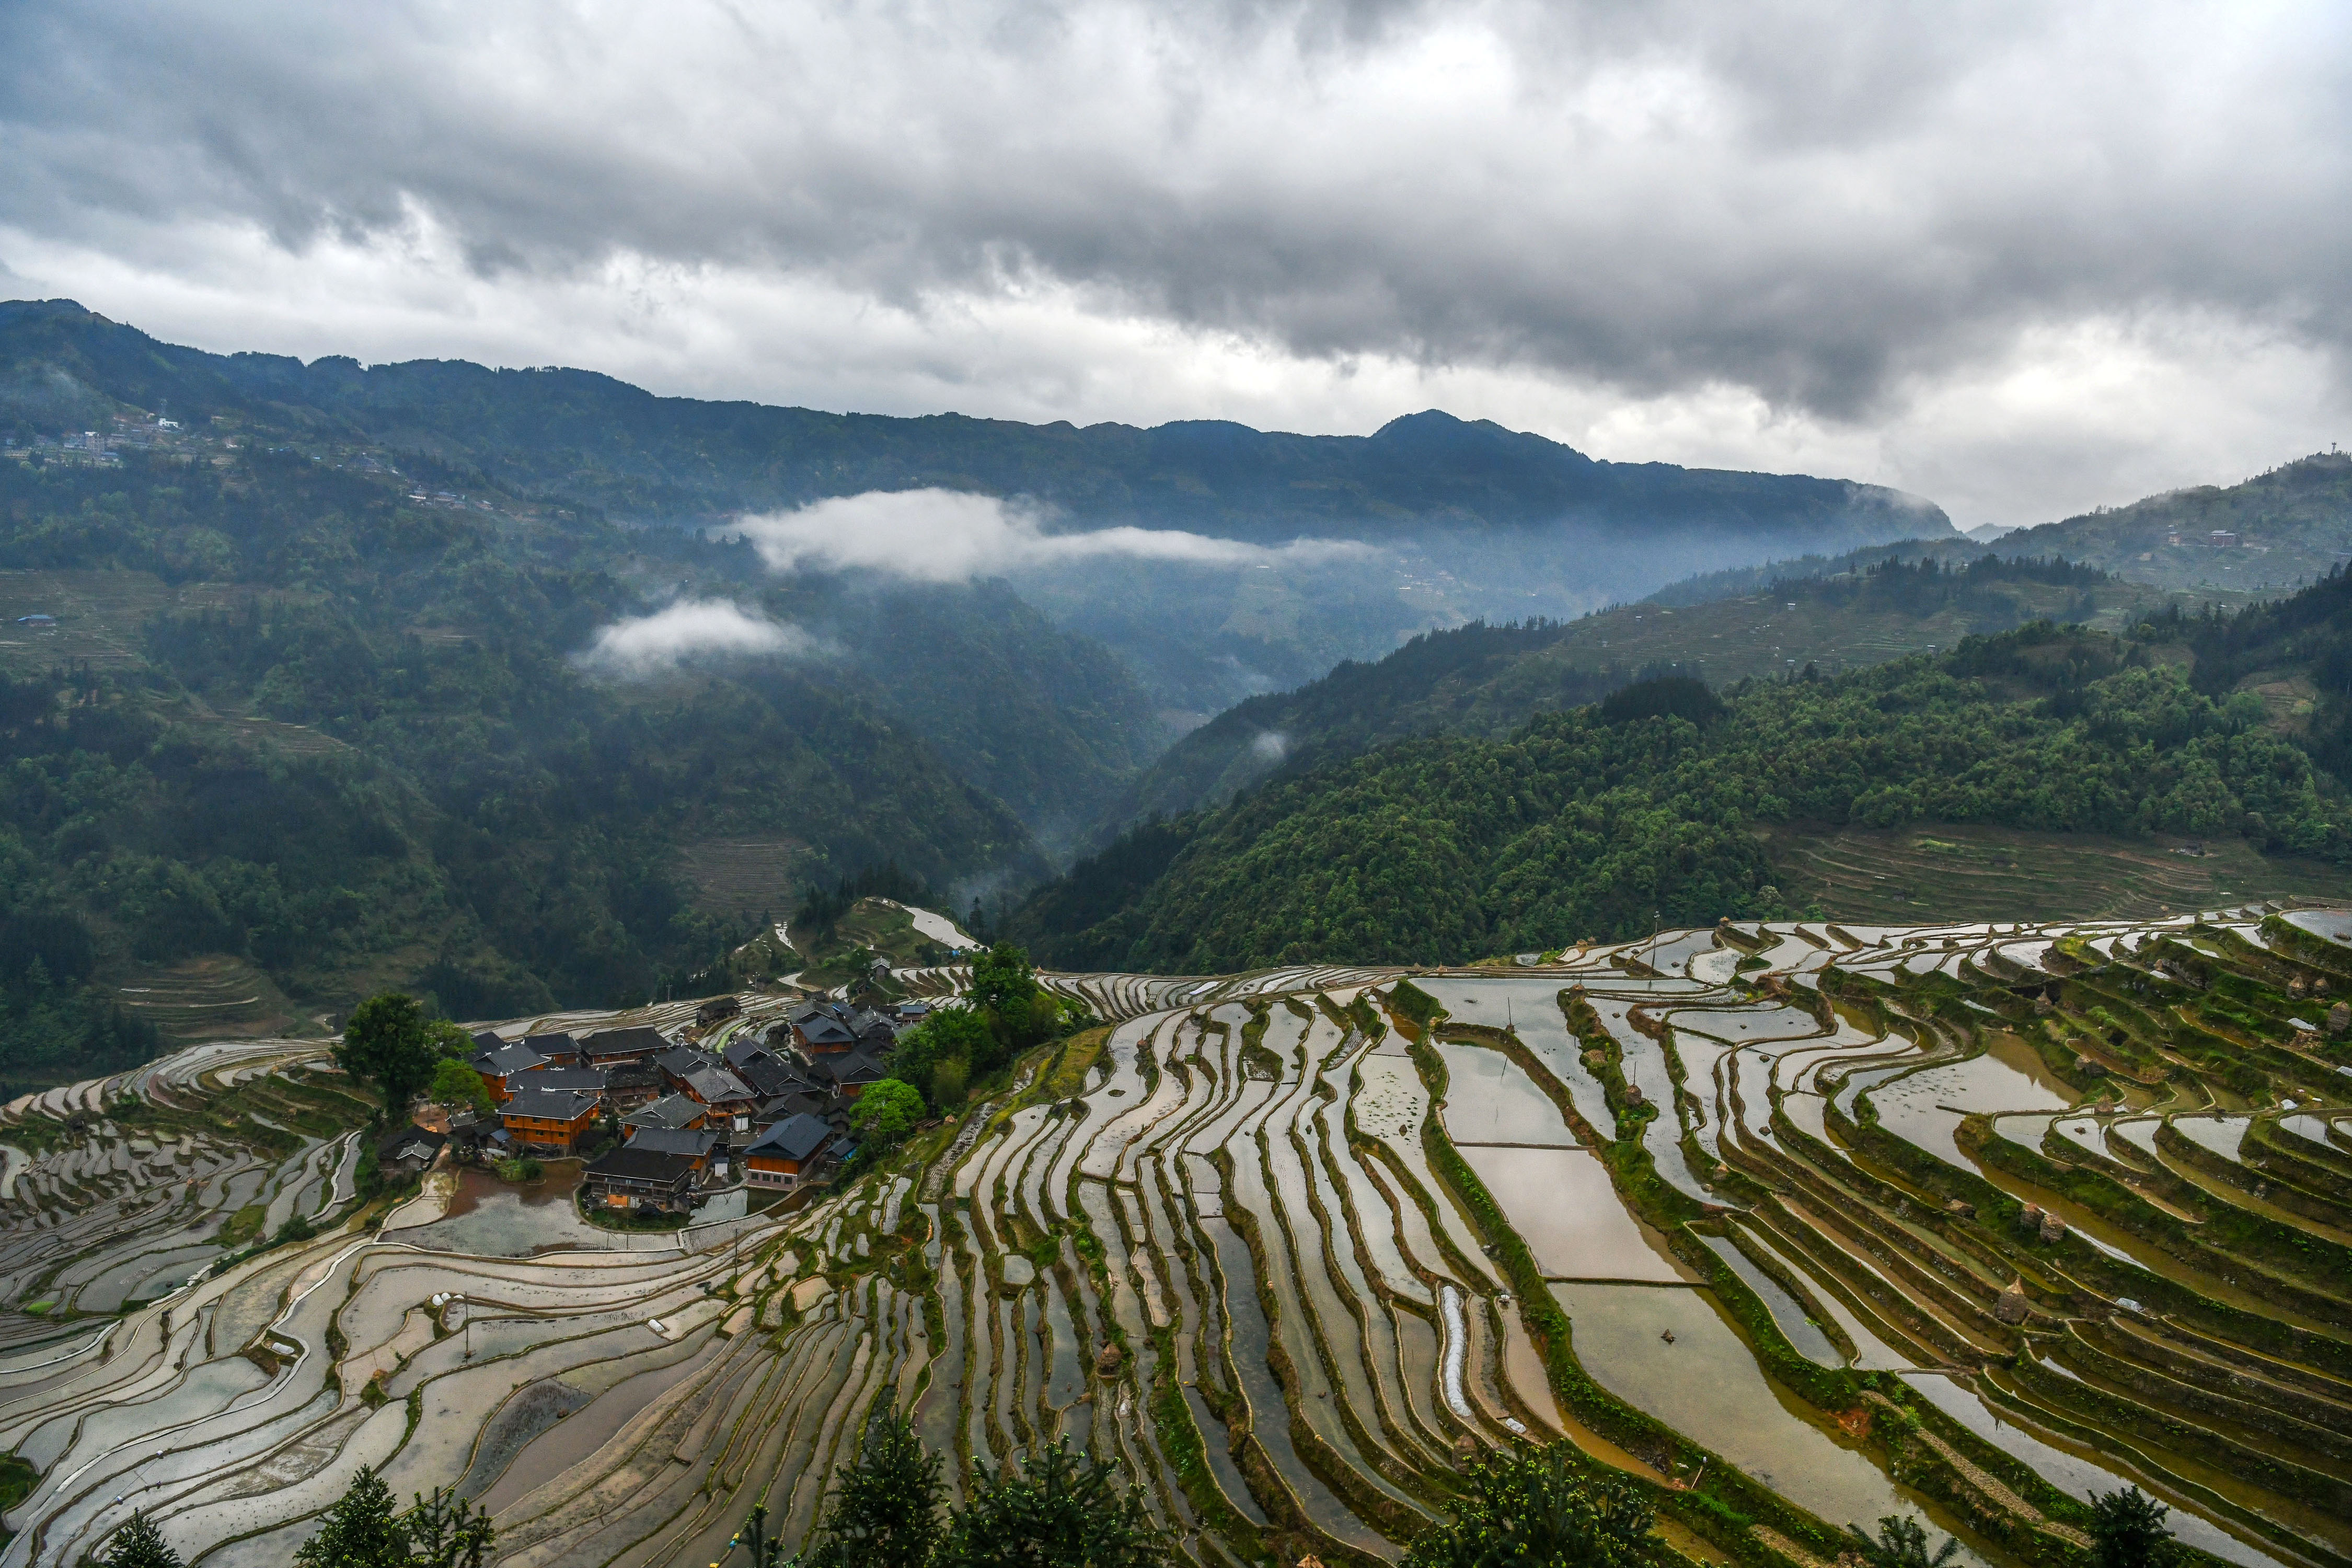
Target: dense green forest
[
  {"x": 365, "y": 755},
  {"x": 1604, "y": 821},
  {"x": 1487, "y": 680},
  {"x": 314, "y": 712}
]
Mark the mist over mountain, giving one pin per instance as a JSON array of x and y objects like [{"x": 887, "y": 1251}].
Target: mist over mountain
[{"x": 1453, "y": 519}]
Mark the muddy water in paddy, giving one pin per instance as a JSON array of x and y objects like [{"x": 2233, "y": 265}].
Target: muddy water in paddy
[
  {"x": 497, "y": 1218},
  {"x": 1706, "y": 1383},
  {"x": 2072, "y": 1472},
  {"x": 1560, "y": 1203},
  {"x": 2010, "y": 1076},
  {"x": 1490, "y": 1099},
  {"x": 1787, "y": 1313},
  {"x": 549, "y": 1454}
]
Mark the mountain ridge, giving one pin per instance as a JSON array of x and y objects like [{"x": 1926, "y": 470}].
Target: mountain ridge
[{"x": 1417, "y": 467}]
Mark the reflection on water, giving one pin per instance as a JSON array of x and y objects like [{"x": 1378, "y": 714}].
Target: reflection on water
[
  {"x": 1561, "y": 1203},
  {"x": 1490, "y": 1099},
  {"x": 1706, "y": 1383},
  {"x": 1532, "y": 1009},
  {"x": 1801, "y": 1331},
  {"x": 2009, "y": 1076},
  {"x": 2224, "y": 1136},
  {"x": 500, "y": 1219},
  {"x": 2072, "y": 1472}
]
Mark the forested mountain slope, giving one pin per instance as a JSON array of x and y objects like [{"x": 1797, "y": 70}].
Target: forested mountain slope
[
  {"x": 1647, "y": 807},
  {"x": 299, "y": 732},
  {"x": 2288, "y": 527},
  {"x": 2280, "y": 529},
  {"x": 1487, "y": 680}
]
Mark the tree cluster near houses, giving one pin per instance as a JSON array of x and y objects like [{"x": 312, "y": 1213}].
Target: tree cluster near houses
[{"x": 662, "y": 1122}]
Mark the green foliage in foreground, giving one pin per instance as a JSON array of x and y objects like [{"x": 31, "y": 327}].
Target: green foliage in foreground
[
  {"x": 2127, "y": 1531},
  {"x": 885, "y": 1512},
  {"x": 139, "y": 1544},
  {"x": 1902, "y": 1544},
  {"x": 885, "y": 1114},
  {"x": 1062, "y": 1509},
  {"x": 1534, "y": 1509},
  {"x": 366, "y": 1529},
  {"x": 1449, "y": 848},
  {"x": 454, "y": 1083}
]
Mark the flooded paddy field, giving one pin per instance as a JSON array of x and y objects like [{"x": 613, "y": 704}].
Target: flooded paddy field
[{"x": 1741, "y": 1214}]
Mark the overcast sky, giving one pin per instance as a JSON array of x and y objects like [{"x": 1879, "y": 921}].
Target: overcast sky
[{"x": 2021, "y": 259}]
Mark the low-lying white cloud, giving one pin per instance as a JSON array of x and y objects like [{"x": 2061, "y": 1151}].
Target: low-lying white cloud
[
  {"x": 951, "y": 536},
  {"x": 1271, "y": 745},
  {"x": 647, "y": 645}
]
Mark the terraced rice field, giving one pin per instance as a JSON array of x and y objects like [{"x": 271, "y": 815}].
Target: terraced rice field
[{"x": 1741, "y": 1215}]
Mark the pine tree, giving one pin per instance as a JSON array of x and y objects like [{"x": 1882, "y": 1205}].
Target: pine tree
[
  {"x": 361, "y": 1530},
  {"x": 2127, "y": 1531},
  {"x": 885, "y": 1513},
  {"x": 447, "y": 1532},
  {"x": 139, "y": 1545}
]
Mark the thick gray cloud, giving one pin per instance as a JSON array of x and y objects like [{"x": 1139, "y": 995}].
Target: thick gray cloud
[{"x": 1907, "y": 243}]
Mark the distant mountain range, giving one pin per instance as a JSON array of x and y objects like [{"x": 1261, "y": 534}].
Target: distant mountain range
[
  {"x": 610, "y": 443},
  {"x": 310, "y": 715},
  {"x": 1468, "y": 519}
]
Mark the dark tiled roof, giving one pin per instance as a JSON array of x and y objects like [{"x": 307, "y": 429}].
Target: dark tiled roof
[
  {"x": 784, "y": 1107},
  {"x": 591, "y": 1079},
  {"x": 512, "y": 1057},
  {"x": 796, "y": 1139},
  {"x": 555, "y": 1046},
  {"x": 669, "y": 1111},
  {"x": 681, "y": 1061},
  {"x": 855, "y": 1067},
  {"x": 556, "y": 1105},
  {"x": 409, "y": 1138},
  {"x": 824, "y": 1029},
  {"x": 767, "y": 1076},
  {"x": 642, "y": 1039},
  {"x": 632, "y": 1163},
  {"x": 631, "y": 1075},
  {"x": 715, "y": 1085},
  {"x": 693, "y": 1141}
]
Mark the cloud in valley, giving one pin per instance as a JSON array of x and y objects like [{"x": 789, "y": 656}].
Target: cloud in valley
[
  {"x": 950, "y": 536},
  {"x": 2017, "y": 258},
  {"x": 650, "y": 644}
]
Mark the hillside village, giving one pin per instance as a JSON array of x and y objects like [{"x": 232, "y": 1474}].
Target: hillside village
[{"x": 666, "y": 1120}]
